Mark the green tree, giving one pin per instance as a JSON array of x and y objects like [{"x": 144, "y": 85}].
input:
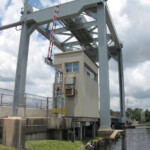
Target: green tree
[
  {"x": 134, "y": 113},
  {"x": 129, "y": 113},
  {"x": 147, "y": 115},
  {"x": 137, "y": 114}
]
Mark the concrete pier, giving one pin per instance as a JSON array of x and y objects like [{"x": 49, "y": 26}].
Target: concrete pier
[
  {"x": 94, "y": 130},
  {"x": 14, "y": 132}
]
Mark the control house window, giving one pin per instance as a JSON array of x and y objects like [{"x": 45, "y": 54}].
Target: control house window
[
  {"x": 90, "y": 72},
  {"x": 72, "y": 67}
]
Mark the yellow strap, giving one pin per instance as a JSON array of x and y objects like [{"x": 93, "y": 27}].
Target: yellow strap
[{"x": 59, "y": 111}]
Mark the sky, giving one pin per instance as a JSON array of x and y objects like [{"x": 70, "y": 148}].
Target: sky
[{"x": 131, "y": 19}]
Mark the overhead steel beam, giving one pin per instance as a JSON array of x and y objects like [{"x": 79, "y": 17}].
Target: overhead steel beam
[
  {"x": 32, "y": 28},
  {"x": 112, "y": 28},
  {"x": 67, "y": 39},
  {"x": 112, "y": 55},
  {"x": 47, "y": 35},
  {"x": 91, "y": 30},
  {"x": 90, "y": 13},
  {"x": 78, "y": 43},
  {"x": 77, "y": 27},
  {"x": 93, "y": 33},
  {"x": 10, "y": 25},
  {"x": 68, "y": 34},
  {"x": 67, "y": 10},
  {"x": 113, "y": 49},
  {"x": 93, "y": 53}
]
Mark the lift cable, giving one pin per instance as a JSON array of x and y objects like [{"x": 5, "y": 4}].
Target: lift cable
[{"x": 52, "y": 35}]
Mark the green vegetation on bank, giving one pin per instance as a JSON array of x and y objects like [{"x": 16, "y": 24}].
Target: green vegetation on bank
[
  {"x": 138, "y": 114},
  {"x": 55, "y": 145},
  {"x": 5, "y": 148},
  {"x": 137, "y": 123}
]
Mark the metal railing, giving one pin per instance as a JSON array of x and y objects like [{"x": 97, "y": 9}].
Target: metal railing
[{"x": 30, "y": 100}]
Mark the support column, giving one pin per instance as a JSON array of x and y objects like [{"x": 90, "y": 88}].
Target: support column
[
  {"x": 93, "y": 130},
  {"x": 103, "y": 69},
  {"x": 1, "y": 100},
  {"x": 20, "y": 80},
  {"x": 84, "y": 131},
  {"x": 121, "y": 87},
  {"x": 80, "y": 132},
  {"x": 58, "y": 134}
]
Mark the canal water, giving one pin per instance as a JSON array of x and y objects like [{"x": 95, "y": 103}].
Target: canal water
[{"x": 134, "y": 139}]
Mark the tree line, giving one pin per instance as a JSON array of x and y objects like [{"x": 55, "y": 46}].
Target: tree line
[
  {"x": 134, "y": 114},
  {"x": 138, "y": 114}
]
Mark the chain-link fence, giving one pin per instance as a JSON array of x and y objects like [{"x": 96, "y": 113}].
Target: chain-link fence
[{"x": 31, "y": 101}]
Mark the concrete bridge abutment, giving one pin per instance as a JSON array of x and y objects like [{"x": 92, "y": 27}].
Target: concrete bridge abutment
[{"x": 14, "y": 130}]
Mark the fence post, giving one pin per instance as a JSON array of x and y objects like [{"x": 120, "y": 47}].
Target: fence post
[
  {"x": 41, "y": 104},
  {"x": 47, "y": 107},
  {"x": 1, "y": 100},
  {"x": 25, "y": 105}
]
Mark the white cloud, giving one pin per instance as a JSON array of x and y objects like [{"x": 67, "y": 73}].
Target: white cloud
[
  {"x": 116, "y": 6},
  {"x": 132, "y": 102},
  {"x": 39, "y": 76},
  {"x": 114, "y": 104},
  {"x": 114, "y": 80},
  {"x": 12, "y": 14},
  {"x": 138, "y": 79},
  {"x": 137, "y": 86},
  {"x": 145, "y": 2},
  {"x": 49, "y": 3},
  {"x": 2, "y": 7}
]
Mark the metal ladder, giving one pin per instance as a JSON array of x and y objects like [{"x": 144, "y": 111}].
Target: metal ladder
[{"x": 58, "y": 90}]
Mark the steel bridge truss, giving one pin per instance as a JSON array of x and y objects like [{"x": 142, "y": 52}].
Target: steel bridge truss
[{"x": 82, "y": 24}]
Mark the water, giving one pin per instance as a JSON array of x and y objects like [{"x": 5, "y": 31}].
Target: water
[{"x": 135, "y": 139}]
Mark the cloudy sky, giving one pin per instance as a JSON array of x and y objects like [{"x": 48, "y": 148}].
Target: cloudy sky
[{"x": 131, "y": 19}]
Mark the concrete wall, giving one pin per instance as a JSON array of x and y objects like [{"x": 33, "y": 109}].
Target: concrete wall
[
  {"x": 38, "y": 128},
  {"x": 85, "y": 102},
  {"x": 90, "y": 91},
  {"x": 30, "y": 112}
]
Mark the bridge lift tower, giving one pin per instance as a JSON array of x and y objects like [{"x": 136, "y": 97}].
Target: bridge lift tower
[{"x": 94, "y": 37}]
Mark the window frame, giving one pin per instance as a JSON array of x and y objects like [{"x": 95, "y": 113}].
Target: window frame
[
  {"x": 72, "y": 67},
  {"x": 90, "y": 72}
]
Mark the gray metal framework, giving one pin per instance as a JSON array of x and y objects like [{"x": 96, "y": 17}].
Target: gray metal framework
[{"x": 92, "y": 36}]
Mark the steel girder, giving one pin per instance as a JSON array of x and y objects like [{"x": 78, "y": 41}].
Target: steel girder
[{"x": 80, "y": 31}]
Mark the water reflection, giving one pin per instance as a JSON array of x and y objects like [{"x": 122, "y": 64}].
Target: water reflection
[
  {"x": 134, "y": 139},
  {"x": 124, "y": 142}
]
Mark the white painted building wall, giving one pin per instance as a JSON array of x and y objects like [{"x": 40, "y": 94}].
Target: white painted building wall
[{"x": 85, "y": 101}]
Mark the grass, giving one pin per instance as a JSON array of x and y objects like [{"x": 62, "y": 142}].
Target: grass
[
  {"x": 55, "y": 145},
  {"x": 144, "y": 123},
  {"x": 136, "y": 123},
  {"x": 5, "y": 148}
]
